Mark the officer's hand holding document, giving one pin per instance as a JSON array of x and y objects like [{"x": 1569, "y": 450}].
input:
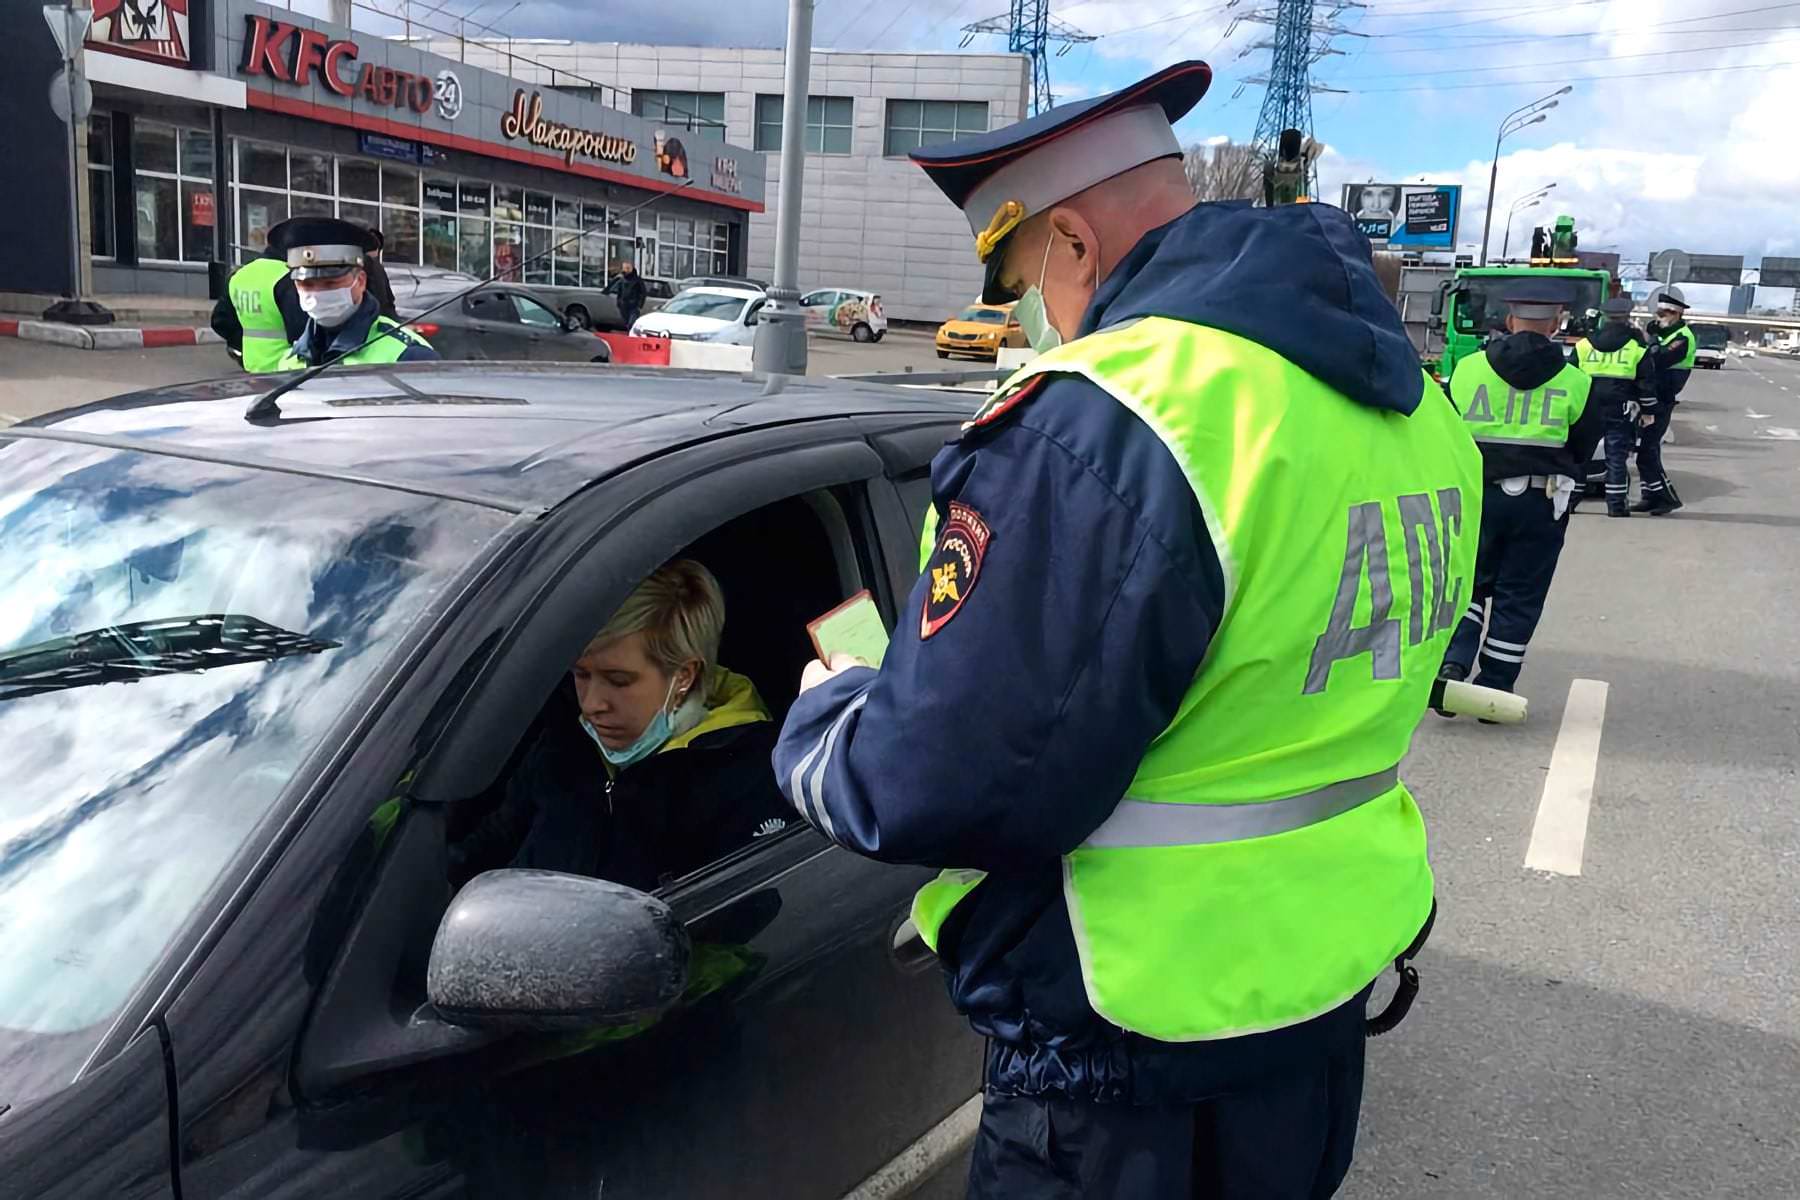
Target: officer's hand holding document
[{"x": 850, "y": 635}]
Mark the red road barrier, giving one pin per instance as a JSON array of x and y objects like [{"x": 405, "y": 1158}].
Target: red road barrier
[{"x": 636, "y": 351}]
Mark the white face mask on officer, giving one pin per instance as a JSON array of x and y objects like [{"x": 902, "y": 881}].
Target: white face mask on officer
[
  {"x": 1034, "y": 315},
  {"x": 330, "y": 307}
]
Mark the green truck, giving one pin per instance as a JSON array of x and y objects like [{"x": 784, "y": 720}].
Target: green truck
[{"x": 1471, "y": 306}]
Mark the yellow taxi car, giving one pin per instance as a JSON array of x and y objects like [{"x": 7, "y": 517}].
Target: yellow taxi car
[{"x": 979, "y": 331}]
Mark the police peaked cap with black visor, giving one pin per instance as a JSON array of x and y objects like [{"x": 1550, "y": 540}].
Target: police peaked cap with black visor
[
  {"x": 1003, "y": 178},
  {"x": 322, "y": 247},
  {"x": 1539, "y": 299}
]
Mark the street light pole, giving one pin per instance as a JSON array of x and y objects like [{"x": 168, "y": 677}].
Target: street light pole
[
  {"x": 780, "y": 346},
  {"x": 1534, "y": 112},
  {"x": 1527, "y": 201}
]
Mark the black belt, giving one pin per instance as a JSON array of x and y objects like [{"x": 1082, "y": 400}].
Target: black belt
[{"x": 1388, "y": 1018}]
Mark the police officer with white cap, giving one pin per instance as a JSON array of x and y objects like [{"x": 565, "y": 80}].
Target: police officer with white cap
[
  {"x": 326, "y": 258},
  {"x": 1674, "y": 347},
  {"x": 1137, "y": 707},
  {"x": 1527, "y": 407}
]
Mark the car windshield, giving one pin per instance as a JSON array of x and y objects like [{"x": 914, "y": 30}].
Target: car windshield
[
  {"x": 1483, "y": 307},
  {"x": 705, "y": 304},
  {"x": 987, "y": 316},
  {"x": 176, "y": 638},
  {"x": 1711, "y": 337}
]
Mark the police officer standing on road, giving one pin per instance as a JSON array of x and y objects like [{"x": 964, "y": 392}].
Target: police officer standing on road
[
  {"x": 259, "y": 316},
  {"x": 344, "y": 319},
  {"x": 1623, "y": 374},
  {"x": 1528, "y": 410},
  {"x": 1674, "y": 347},
  {"x": 1139, "y": 649}
]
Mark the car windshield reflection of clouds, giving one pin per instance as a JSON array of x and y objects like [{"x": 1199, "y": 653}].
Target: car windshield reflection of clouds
[{"x": 125, "y": 801}]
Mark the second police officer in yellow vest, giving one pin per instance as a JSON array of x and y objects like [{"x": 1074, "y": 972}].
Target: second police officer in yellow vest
[
  {"x": 1624, "y": 375},
  {"x": 1527, "y": 407},
  {"x": 1194, "y": 571},
  {"x": 344, "y": 321},
  {"x": 259, "y": 317},
  {"x": 1675, "y": 348}
]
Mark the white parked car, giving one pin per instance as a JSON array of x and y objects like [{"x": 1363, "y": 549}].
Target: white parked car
[
  {"x": 849, "y": 311},
  {"x": 706, "y": 314}
]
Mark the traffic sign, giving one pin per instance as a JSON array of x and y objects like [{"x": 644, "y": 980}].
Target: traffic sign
[
  {"x": 1667, "y": 266},
  {"x": 59, "y": 96},
  {"x": 68, "y": 26}
]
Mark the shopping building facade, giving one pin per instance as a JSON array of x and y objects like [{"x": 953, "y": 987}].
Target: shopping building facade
[
  {"x": 225, "y": 118},
  {"x": 871, "y": 219}
]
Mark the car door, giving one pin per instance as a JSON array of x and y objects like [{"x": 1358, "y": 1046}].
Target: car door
[
  {"x": 546, "y": 337},
  {"x": 820, "y": 306},
  {"x": 491, "y": 328},
  {"x": 306, "y": 1056}
]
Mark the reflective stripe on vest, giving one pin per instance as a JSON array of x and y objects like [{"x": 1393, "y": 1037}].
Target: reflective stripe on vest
[
  {"x": 1266, "y": 863},
  {"x": 1693, "y": 346},
  {"x": 252, "y": 292},
  {"x": 1149, "y": 823},
  {"x": 1610, "y": 364},
  {"x": 1499, "y": 414}
]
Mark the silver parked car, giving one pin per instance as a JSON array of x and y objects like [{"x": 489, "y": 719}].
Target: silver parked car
[{"x": 594, "y": 308}]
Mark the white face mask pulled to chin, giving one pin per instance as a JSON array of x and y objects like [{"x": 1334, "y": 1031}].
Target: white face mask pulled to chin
[{"x": 330, "y": 307}]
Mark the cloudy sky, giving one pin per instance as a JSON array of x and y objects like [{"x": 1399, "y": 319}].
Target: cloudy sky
[{"x": 1679, "y": 131}]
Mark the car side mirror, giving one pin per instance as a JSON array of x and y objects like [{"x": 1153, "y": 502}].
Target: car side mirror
[
  {"x": 1437, "y": 302},
  {"x": 538, "y": 950}
]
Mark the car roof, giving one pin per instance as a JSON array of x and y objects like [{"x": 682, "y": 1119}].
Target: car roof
[
  {"x": 736, "y": 293},
  {"x": 516, "y": 436}
]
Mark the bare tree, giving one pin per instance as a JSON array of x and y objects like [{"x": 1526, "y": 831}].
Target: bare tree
[{"x": 1226, "y": 171}]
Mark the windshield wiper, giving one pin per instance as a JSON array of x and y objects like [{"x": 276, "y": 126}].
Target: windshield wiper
[{"x": 141, "y": 649}]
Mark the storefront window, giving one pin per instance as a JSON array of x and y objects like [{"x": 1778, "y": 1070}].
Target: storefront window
[
  {"x": 509, "y": 250},
  {"x": 300, "y": 205},
  {"x": 174, "y": 210},
  {"x": 262, "y": 166},
  {"x": 157, "y": 235},
  {"x": 362, "y": 214},
  {"x": 509, "y": 203},
  {"x": 440, "y": 194},
  {"x": 258, "y": 211},
  {"x": 568, "y": 214},
  {"x": 475, "y": 199},
  {"x": 358, "y": 180},
  {"x": 100, "y": 186},
  {"x": 537, "y": 254},
  {"x": 309, "y": 173},
  {"x": 437, "y": 246},
  {"x": 153, "y": 147},
  {"x": 399, "y": 185},
  {"x": 400, "y": 226},
  {"x": 474, "y": 257}
]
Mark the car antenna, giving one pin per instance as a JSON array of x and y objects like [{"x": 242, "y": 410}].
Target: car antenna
[{"x": 265, "y": 408}]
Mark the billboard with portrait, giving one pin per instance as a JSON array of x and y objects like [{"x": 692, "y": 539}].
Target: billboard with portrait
[{"x": 1406, "y": 216}]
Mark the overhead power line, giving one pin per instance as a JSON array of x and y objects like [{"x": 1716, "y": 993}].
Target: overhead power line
[
  {"x": 1561, "y": 62},
  {"x": 1550, "y": 37},
  {"x": 1463, "y": 87}
]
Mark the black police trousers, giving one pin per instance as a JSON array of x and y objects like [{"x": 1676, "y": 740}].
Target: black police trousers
[
  {"x": 1515, "y": 560},
  {"x": 1621, "y": 440},
  {"x": 1285, "y": 1138},
  {"x": 1652, "y": 479}
]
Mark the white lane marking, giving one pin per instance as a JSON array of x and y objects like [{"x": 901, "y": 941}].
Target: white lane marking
[
  {"x": 1559, "y": 835},
  {"x": 919, "y": 1161},
  {"x": 1781, "y": 433},
  {"x": 1755, "y": 416},
  {"x": 1712, "y": 429}
]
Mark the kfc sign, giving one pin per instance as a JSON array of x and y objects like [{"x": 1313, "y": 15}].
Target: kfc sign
[{"x": 293, "y": 55}]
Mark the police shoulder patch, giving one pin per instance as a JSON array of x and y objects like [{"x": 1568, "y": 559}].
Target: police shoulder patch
[
  {"x": 953, "y": 567},
  {"x": 1004, "y": 403}
]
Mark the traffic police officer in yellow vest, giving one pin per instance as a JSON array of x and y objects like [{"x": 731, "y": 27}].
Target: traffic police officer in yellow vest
[
  {"x": 1624, "y": 376},
  {"x": 344, "y": 320},
  {"x": 1527, "y": 408},
  {"x": 1194, "y": 570},
  {"x": 1675, "y": 348},
  {"x": 259, "y": 316}
]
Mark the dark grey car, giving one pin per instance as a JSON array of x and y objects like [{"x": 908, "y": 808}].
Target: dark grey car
[
  {"x": 594, "y": 308},
  {"x": 505, "y": 321}
]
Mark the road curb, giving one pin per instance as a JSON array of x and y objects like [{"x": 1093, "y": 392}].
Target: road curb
[{"x": 106, "y": 337}]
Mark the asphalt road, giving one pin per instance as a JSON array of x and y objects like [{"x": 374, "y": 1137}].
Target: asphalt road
[{"x": 1629, "y": 1030}]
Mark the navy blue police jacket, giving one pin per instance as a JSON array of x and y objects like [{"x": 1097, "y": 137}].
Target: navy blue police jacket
[{"x": 1005, "y": 723}]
